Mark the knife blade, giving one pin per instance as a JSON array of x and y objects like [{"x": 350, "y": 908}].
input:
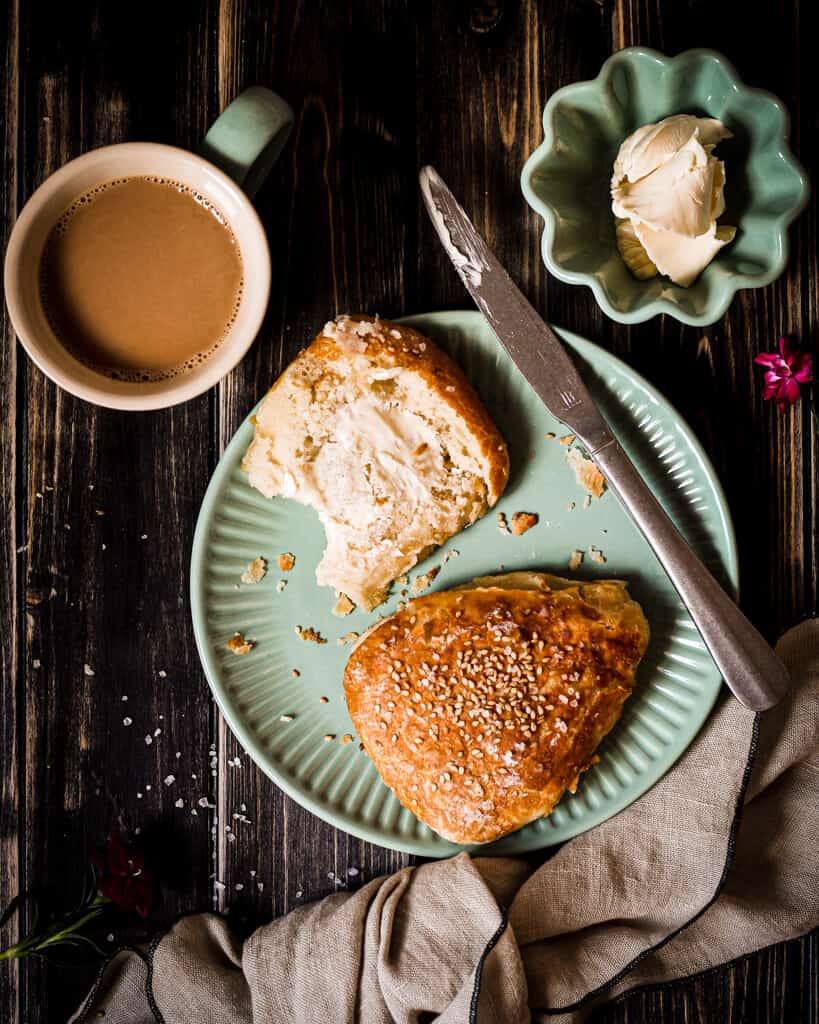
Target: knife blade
[{"x": 749, "y": 666}]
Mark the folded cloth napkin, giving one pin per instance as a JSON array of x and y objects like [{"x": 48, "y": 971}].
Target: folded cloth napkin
[{"x": 717, "y": 860}]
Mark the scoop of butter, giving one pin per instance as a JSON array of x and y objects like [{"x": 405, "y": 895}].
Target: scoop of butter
[{"x": 667, "y": 193}]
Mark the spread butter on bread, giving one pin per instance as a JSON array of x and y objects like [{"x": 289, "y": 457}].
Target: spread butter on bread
[
  {"x": 381, "y": 433},
  {"x": 480, "y": 706}
]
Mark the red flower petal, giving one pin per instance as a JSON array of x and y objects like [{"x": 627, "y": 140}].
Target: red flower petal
[{"x": 768, "y": 359}]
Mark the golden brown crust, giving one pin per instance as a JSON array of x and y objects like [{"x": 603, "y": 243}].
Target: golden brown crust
[
  {"x": 481, "y": 706},
  {"x": 399, "y": 345}
]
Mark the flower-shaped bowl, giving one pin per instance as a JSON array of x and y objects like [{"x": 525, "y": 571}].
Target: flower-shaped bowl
[{"x": 566, "y": 180}]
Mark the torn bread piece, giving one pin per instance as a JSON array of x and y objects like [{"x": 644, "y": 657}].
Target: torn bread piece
[{"x": 381, "y": 433}]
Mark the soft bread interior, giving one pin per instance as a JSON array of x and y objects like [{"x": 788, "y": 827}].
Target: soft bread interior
[{"x": 392, "y": 469}]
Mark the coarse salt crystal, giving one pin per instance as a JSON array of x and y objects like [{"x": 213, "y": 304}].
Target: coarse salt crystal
[
  {"x": 169, "y": 780},
  {"x": 127, "y": 721},
  {"x": 179, "y": 803}
]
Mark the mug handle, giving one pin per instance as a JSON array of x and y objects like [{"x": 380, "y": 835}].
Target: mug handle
[{"x": 247, "y": 137}]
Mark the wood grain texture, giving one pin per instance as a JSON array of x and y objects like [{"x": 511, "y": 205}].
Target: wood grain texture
[{"x": 378, "y": 87}]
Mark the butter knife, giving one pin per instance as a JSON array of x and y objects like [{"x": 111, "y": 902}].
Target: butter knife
[{"x": 750, "y": 668}]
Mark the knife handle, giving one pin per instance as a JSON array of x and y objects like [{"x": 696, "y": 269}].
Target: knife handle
[{"x": 748, "y": 665}]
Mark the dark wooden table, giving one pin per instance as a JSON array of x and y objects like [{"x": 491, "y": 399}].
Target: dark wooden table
[{"x": 99, "y": 507}]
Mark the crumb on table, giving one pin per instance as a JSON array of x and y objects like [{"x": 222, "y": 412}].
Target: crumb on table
[
  {"x": 256, "y": 571},
  {"x": 420, "y": 583},
  {"x": 238, "y": 645},
  {"x": 343, "y": 606},
  {"x": 523, "y": 521},
  {"x": 310, "y": 635},
  {"x": 286, "y": 561}
]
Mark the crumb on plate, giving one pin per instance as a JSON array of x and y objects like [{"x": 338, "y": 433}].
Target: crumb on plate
[
  {"x": 566, "y": 439},
  {"x": 586, "y": 473},
  {"x": 286, "y": 561},
  {"x": 503, "y": 526},
  {"x": 575, "y": 559},
  {"x": 451, "y": 554},
  {"x": 343, "y": 606},
  {"x": 596, "y": 555},
  {"x": 310, "y": 635},
  {"x": 523, "y": 521},
  {"x": 348, "y": 638},
  {"x": 256, "y": 571},
  {"x": 281, "y": 585},
  {"x": 238, "y": 645},
  {"x": 420, "y": 583}
]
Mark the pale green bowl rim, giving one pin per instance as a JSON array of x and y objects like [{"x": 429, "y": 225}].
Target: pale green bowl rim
[{"x": 725, "y": 297}]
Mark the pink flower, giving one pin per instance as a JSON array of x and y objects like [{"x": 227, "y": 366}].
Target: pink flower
[{"x": 787, "y": 369}]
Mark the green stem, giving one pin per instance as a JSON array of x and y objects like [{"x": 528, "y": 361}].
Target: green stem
[{"x": 59, "y": 931}]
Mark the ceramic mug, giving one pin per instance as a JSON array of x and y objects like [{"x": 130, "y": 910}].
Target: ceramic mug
[{"x": 234, "y": 158}]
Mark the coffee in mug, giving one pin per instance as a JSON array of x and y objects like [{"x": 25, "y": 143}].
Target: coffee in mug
[{"x": 141, "y": 278}]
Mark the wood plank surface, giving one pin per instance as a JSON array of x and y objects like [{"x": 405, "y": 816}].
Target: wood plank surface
[{"x": 100, "y": 506}]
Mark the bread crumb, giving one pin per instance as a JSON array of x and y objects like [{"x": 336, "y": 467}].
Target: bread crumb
[
  {"x": 348, "y": 638},
  {"x": 550, "y": 436},
  {"x": 572, "y": 506},
  {"x": 238, "y": 645},
  {"x": 286, "y": 561},
  {"x": 296, "y": 673},
  {"x": 256, "y": 571},
  {"x": 451, "y": 554},
  {"x": 330, "y": 736},
  {"x": 566, "y": 439},
  {"x": 586, "y": 473},
  {"x": 346, "y": 738},
  {"x": 420, "y": 583},
  {"x": 503, "y": 526},
  {"x": 323, "y": 700},
  {"x": 310, "y": 635},
  {"x": 403, "y": 581},
  {"x": 523, "y": 521},
  {"x": 596, "y": 555},
  {"x": 281, "y": 585},
  {"x": 575, "y": 560},
  {"x": 343, "y": 606},
  {"x": 587, "y": 501},
  {"x": 286, "y": 718}
]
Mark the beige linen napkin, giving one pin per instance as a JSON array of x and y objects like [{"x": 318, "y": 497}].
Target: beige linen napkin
[{"x": 715, "y": 861}]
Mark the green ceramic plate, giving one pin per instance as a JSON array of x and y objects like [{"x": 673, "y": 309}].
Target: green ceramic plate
[{"x": 677, "y": 682}]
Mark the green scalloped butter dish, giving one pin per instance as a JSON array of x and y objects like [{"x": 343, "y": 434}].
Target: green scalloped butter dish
[
  {"x": 281, "y": 720},
  {"x": 566, "y": 180}
]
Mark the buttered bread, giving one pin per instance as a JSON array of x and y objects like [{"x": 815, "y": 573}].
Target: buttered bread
[
  {"x": 481, "y": 706},
  {"x": 381, "y": 433}
]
